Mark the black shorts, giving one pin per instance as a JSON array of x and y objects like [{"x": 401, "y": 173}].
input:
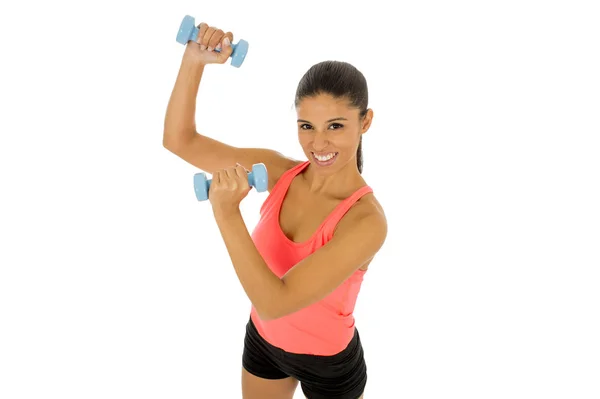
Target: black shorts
[{"x": 340, "y": 376}]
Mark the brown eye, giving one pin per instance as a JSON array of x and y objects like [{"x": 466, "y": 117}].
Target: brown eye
[
  {"x": 305, "y": 126},
  {"x": 336, "y": 126}
]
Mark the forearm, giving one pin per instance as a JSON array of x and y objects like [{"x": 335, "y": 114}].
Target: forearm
[
  {"x": 180, "y": 118},
  {"x": 262, "y": 286}
]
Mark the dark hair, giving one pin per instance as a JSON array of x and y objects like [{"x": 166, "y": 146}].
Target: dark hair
[{"x": 341, "y": 80}]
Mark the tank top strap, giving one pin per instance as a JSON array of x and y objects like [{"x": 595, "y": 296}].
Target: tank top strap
[
  {"x": 282, "y": 185},
  {"x": 338, "y": 213},
  {"x": 286, "y": 178}
]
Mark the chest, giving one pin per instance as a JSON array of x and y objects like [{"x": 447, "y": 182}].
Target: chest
[{"x": 301, "y": 215}]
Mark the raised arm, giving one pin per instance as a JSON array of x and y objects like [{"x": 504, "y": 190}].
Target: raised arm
[{"x": 180, "y": 134}]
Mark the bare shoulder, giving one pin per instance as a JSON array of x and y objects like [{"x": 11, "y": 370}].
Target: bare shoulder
[
  {"x": 363, "y": 230},
  {"x": 366, "y": 218},
  {"x": 278, "y": 165}
]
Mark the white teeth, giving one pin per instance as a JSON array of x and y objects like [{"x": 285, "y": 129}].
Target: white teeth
[{"x": 324, "y": 158}]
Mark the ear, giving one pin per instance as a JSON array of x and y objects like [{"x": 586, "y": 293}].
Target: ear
[{"x": 366, "y": 121}]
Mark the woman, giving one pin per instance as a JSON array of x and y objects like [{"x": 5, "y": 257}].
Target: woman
[{"x": 320, "y": 227}]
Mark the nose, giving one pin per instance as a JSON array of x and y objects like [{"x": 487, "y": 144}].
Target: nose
[{"x": 320, "y": 141}]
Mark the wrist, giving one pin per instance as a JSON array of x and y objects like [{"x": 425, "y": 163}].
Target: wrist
[
  {"x": 191, "y": 59},
  {"x": 225, "y": 215}
]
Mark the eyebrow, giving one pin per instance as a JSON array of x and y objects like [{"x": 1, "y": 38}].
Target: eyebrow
[{"x": 339, "y": 118}]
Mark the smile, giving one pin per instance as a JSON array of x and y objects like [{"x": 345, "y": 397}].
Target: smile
[{"x": 325, "y": 159}]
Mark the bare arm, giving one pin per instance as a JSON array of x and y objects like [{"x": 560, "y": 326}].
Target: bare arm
[
  {"x": 359, "y": 236},
  {"x": 180, "y": 118},
  {"x": 208, "y": 154}
]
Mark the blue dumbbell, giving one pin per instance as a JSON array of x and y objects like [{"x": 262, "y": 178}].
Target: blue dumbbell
[
  {"x": 189, "y": 31},
  {"x": 257, "y": 179}
]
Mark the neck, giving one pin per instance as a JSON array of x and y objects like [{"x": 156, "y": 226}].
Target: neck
[{"x": 337, "y": 183}]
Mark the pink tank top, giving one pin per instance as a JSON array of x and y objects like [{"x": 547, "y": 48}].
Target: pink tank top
[{"x": 327, "y": 326}]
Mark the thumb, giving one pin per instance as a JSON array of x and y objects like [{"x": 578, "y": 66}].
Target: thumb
[
  {"x": 226, "y": 50},
  {"x": 239, "y": 164}
]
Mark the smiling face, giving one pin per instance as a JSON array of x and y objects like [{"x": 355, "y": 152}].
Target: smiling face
[{"x": 329, "y": 131}]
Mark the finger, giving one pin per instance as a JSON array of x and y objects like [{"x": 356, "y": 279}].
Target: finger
[
  {"x": 228, "y": 176},
  {"x": 225, "y": 51},
  {"x": 228, "y": 35},
  {"x": 240, "y": 172},
  {"x": 216, "y": 178},
  {"x": 215, "y": 39},
  {"x": 239, "y": 164},
  {"x": 242, "y": 176},
  {"x": 206, "y": 37},
  {"x": 202, "y": 27}
]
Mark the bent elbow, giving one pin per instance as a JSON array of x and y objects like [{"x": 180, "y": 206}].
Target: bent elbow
[{"x": 169, "y": 143}]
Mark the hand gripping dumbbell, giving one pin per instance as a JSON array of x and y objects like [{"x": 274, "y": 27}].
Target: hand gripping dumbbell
[
  {"x": 257, "y": 179},
  {"x": 189, "y": 31}
]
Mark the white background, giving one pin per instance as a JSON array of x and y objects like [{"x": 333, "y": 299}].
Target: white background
[{"x": 115, "y": 283}]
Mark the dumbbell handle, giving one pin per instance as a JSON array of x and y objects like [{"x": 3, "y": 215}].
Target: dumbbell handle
[
  {"x": 194, "y": 37},
  {"x": 257, "y": 178},
  {"x": 251, "y": 181},
  {"x": 189, "y": 31}
]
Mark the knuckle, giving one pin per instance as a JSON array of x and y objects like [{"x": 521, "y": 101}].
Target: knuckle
[
  {"x": 208, "y": 33},
  {"x": 216, "y": 38}
]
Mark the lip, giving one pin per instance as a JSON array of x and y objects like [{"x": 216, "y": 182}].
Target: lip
[{"x": 326, "y": 163}]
